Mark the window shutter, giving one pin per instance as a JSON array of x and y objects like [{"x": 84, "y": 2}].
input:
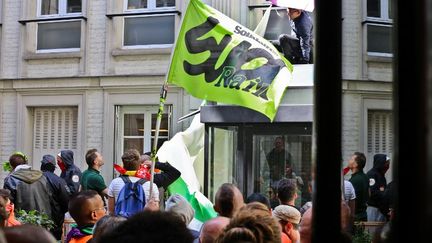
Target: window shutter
[
  {"x": 380, "y": 132},
  {"x": 55, "y": 128}
]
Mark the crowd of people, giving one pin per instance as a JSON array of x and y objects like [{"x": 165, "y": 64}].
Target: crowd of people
[{"x": 126, "y": 210}]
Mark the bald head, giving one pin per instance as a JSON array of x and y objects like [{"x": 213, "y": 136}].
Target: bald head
[
  {"x": 212, "y": 229},
  {"x": 228, "y": 200}
]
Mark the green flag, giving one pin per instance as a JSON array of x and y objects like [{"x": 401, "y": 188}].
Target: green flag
[{"x": 217, "y": 59}]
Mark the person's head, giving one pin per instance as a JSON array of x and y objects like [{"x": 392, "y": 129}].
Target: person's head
[
  {"x": 4, "y": 209},
  {"x": 94, "y": 159},
  {"x": 288, "y": 218},
  {"x": 48, "y": 163},
  {"x": 287, "y": 191},
  {"x": 212, "y": 229},
  {"x": 153, "y": 226},
  {"x": 256, "y": 207},
  {"x": 288, "y": 168},
  {"x": 228, "y": 200},
  {"x": 65, "y": 159},
  {"x": 306, "y": 227},
  {"x": 381, "y": 163},
  {"x": 279, "y": 143},
  {"x": 258, "y": 197},
  {"x": 251, "y": 224},
  {"x": 293, "y": 13},
  {"x": 17, "y": 159},
  {"x": 144, "y": 158},
  {"x": 177, "y": 204},
  {"x": 86, "y": 207},
  {"x": 28, "y": 233},
  {"x": 357, "y": 161},
  {"x": 131, "y": 159},
  {"x": 105, "y": 225}
]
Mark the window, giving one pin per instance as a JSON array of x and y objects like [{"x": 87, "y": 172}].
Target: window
[
  {"x": 59, "y": 35},
  {"x": 379, "y": 136},
  {"x": 379, "y": 27},
  {"x": 137, "y": 128},
  {"x": 380, "y": 132},
  {"x": 161, "y": 24},
  {"x": 54, "y": 129},
  {"x": 149, "y": 4},
  {"x": 137, "y": 29},
  {"x": 60, "y": 7}
]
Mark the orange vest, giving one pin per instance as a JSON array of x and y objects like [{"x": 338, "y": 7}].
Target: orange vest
[
  {"x": 285, "y": 238},
  {"x": 83, "y": 239}
]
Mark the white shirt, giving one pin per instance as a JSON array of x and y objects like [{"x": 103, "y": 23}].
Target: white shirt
[
  {"x": 349, "y": 192},
  {"x": 118, "y": 183}
]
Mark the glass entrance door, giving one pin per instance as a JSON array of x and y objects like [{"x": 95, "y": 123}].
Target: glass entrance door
[
  {"x": 275, "y": 152},
  {"x": 282, "y": 156}
]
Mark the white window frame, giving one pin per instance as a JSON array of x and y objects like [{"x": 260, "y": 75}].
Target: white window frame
[
  {"x": 147, "y": 111},
  {"x": 62, "y": 11},
  {"x": 151, "y": 7},
  {"x": 57, "y": 50},
  {"x": 146, "y": 46},
  {"x": 384, "y": 20}
]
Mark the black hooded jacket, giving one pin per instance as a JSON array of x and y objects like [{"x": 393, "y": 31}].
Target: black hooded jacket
[
  {"x": 72, "y": 174},
  {"x": 378, "y": 184}
]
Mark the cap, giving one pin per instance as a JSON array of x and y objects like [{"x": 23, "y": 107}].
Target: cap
[
  {"x": 48, "y": 159},
  {"x": 287, "y": 213}
]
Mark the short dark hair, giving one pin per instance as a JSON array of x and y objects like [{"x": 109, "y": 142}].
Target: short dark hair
[
  {"x": 78, "y": 206},
  {"x": 131, "y": 159},
  {"x": 152, "y": 226},
  {"x": 17, "y": 159},
  {"x": 360, "y": 159},
  {"x": 258, "y": 197},
  {"x": 287, "y": 189},
  {"x": 105, "y": 225},
  {"x": 90, "y": 156},
  {"x": 225, "y": 200}
]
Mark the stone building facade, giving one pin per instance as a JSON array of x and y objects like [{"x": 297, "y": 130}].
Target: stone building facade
[{"x": 84, "y": 76}]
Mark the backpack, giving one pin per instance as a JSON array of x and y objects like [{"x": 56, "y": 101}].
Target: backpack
[{"x": 131, "y": 198}]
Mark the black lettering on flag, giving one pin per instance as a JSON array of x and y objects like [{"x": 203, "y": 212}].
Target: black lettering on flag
[{"x": 230, "y": 73}]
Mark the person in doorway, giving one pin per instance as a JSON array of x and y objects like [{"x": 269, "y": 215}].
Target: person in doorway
[{"x": 277, "y": 159}]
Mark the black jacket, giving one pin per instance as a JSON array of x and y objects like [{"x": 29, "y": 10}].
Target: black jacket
[
  {"x": 169, "y": 175},
  {"x": 304, "y": 32},
  {"x": 29, "y": 190},
  {"x": 378, "y": 184},
  {"x": 72, "y": 174},
  {"x": 59, "y": 203}
]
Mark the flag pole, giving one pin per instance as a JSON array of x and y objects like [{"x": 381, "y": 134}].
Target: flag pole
[{"x": 162, "y": 98}]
